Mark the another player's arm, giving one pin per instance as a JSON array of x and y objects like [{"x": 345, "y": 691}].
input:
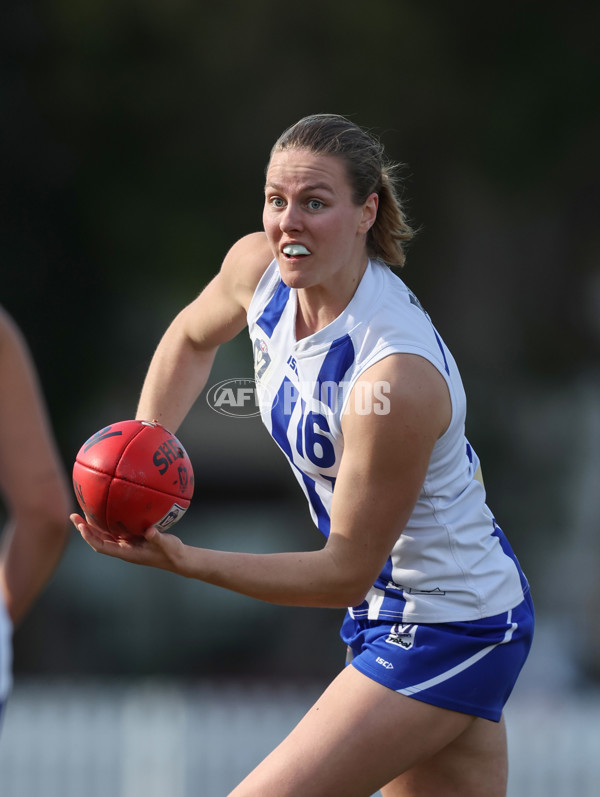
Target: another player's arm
[
  {"x": 382, "y": 471},
  {"x": 183, "y": 359},
  {"x": 33, "y": 483}
]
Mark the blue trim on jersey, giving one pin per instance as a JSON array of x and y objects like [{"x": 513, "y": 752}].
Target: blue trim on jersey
[
  {"x": 469, "y": 453},
  {"x": 279, "y": 427},
  {"x": 300, "y": 429},
  {"x": 413, "y": 300},
  {"x": 337, "y": 361},
  {"x": 396, "y": 594},
  {"x": 386, "y": 573},
  {"x": 272, "y": 313},
  {"x": 279, "y": 419},
  {"x": 508, "y": 551},
  {"x": 441, "y": 345},
  {"x": 323, "y": 521}
]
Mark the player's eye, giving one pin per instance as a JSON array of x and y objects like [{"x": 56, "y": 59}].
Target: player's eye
[
  {"x": 276, "y": 202},
  {"x": 315, "y": 204}
]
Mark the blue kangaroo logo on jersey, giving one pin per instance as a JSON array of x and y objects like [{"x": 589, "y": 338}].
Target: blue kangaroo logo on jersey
[{"x": 262, "y": 358}]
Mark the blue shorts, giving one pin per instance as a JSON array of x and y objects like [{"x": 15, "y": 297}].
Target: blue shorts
[{"x": 469, "y": 667}]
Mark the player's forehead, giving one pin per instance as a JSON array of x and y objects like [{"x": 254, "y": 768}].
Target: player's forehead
[{"x": 302, "y": 170}]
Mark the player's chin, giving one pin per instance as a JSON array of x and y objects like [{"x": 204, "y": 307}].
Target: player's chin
[{"x": 294, "y": 276}]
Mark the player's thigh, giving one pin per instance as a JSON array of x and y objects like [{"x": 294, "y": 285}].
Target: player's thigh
[
  {"x": 474, "y": 764},
  {"x": 357, "y": 737}
]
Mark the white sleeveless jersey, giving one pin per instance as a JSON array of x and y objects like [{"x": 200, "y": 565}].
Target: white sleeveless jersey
[{"x": 452, "y": 562}]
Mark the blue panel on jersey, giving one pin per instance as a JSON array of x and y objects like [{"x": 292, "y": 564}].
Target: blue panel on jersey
[
  {"x": 280, "y": 420},
  {"x": 394, "y": 601},
  {"x": 470, "y": 453},
  {"x": 333, "y": 369},
  {"x": 413, "y": 300},
  {"x": 441, "y": 345},
  {"x": 281, "y": 413},
  {"x": 299, "y": 430},
  {"x": 508, "y": 551},
  {"x": 386, "y": 573},
  {"x": 274, "y": 309},
  {"x": 323, "y": 521}
]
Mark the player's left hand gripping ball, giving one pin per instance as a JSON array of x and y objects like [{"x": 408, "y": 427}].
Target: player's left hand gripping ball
[{"x": 132, "y": 475}]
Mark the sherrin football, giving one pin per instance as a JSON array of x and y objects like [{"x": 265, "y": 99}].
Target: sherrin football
[{"x": 132, "y": 475}]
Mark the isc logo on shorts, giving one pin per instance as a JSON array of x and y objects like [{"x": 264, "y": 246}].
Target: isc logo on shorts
[{"x": 402, "y": 635}]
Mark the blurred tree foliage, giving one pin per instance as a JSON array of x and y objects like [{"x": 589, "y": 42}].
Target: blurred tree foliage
[
  {"x": 135, "y": 134},
  {"x": 134, "y": 137}
]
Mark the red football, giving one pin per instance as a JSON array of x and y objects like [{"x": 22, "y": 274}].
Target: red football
[{"x": 132, "y": 475}]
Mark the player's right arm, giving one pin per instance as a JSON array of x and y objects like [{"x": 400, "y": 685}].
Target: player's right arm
[{"x": 181, "y": 364}]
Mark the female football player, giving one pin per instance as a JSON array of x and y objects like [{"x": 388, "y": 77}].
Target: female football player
[{"x": 364, "y": 399}]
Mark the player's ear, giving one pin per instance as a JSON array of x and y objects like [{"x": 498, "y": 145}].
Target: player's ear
[{"x": 369, "y": 213}]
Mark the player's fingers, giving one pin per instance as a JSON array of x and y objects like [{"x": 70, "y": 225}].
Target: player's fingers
[
  {"x": 76, "y": 520},
  {"x": 167, "y": 547},
  {"x": 159, "y": 539},
  {"x": 95, "y": 542},
  {"x": 94, "y": 536},
  {"x": 152, "y": 534}
]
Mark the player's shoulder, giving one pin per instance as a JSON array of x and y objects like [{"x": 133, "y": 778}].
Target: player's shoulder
[
  {"x": 11, "y": 337},
  {"x": 254, "y": 243},
  {"x": 243, "y": 266},
  {"x": 248, "y": 258},
  {"x": 7, "y": 325}
]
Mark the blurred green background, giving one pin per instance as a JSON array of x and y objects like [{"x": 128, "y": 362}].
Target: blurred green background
[{"x": 134, "y": 138}]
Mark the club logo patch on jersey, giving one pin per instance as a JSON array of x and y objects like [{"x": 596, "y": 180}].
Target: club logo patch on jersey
[
  {"x": 262, "y": 358},
  {"x": 402, "y": 635}
]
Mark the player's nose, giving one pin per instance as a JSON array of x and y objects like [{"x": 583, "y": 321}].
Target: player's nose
[{"x": 291, "y": 219}]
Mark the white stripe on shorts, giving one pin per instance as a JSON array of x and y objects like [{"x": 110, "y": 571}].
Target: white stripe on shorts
[
  {"x": 412, "y": 690},
  {"x": 375, "y": 598}
]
